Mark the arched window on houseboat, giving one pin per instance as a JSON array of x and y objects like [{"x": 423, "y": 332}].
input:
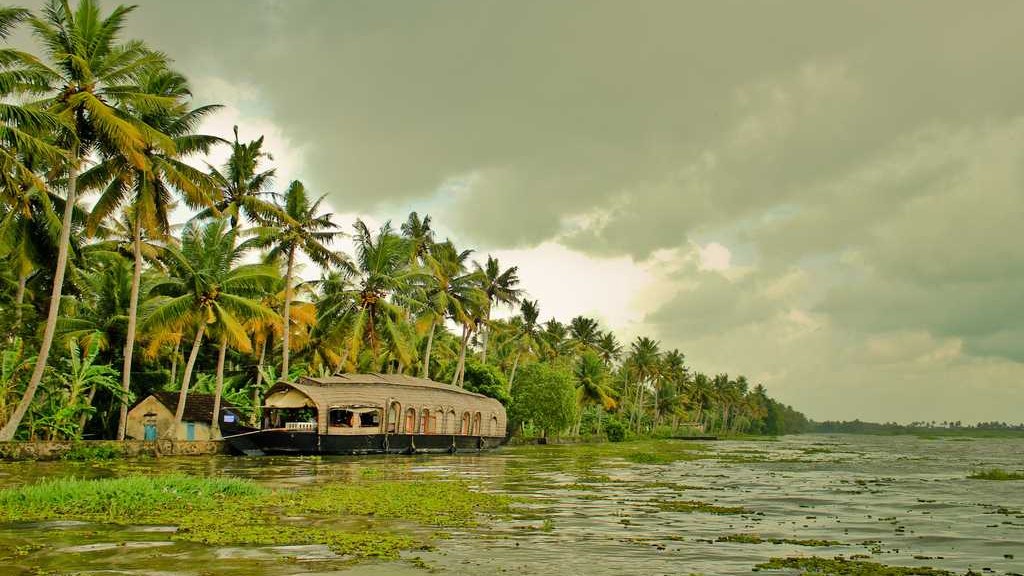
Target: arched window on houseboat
[
  {"x": 493, "y": 426},
  {"x": 476, "y": 424},
  {"x": 394, "y": 418},
  {"x": 465, "y": 424},
  {"x": 451, "y": 422},
  {"x": 410, "y": 421},
  {"x": 425, "y": 422}
]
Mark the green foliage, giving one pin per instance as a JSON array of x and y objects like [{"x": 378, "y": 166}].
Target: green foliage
[
  {"x": 485, "y": 379},
  {"x": 545, "y": 396},
  {"x": 82, "y": 452},
  {"x": 615, "y": 430}
]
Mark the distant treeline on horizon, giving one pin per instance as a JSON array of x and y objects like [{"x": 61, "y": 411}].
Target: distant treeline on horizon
[{"x": 933, "y": 427}]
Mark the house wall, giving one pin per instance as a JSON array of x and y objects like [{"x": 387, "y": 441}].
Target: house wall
[{"x": 164, "y": 420}]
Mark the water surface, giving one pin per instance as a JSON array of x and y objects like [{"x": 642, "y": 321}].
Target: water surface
[{"x": 584, "y": 510}]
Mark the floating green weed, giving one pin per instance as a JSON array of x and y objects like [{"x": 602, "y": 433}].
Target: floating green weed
[
  {"x": 840, "y": 566},
  {"x": 996, "y": 474},
  {"x": 659, "y": 458},
  {"x": 755, "y": 539},
  {"x": 438, "y": 503},
  {"x": 232, "y": 511},
  {"x": 690, "y": 506}
]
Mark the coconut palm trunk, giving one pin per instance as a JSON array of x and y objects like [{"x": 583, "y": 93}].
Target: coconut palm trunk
[
  {"x": 485, "y": 335},
  {"x": 515, "y": 364},
  {"x": 133, "y": 316},
  {"x": 187, "y": 378},
  {"x": 215, "y": 422},
  {"x": 426, "y": 355},
  {"x": 9, "y": 429},
  {"x": 259, "y": 383},
  {"x": 286, "y": 328},
  {"x": 174, "y": 362},
  {"x": 456, "y": 380}
]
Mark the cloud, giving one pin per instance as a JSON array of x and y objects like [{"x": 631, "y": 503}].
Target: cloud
[{"x": 826, "y": 197}]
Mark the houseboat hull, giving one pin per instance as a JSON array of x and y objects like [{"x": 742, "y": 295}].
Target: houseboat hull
[{"x": 283, "y": 442}]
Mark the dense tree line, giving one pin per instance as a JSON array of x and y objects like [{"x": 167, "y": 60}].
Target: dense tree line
[
  {"x": 920, "y": 427},
  {"x": 101, "y": 305}
]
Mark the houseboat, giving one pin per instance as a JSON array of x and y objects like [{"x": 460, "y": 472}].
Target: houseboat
[{"x": 373, "y": 414}]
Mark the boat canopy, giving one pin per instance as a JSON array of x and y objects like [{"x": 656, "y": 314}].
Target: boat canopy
[{"x": 289, "y": 398}]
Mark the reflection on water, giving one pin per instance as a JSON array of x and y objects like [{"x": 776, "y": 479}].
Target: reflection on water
[{"x": 898, "y": 500}]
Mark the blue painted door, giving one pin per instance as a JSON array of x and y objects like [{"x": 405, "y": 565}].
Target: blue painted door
[
  {"x": 190, "y": 431},
  {"x": 150, "y": 433}
]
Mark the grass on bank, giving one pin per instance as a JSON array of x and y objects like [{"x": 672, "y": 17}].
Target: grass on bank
[
  {"x": 996, "y": 474},
  {"x": 232, "y": 511}
]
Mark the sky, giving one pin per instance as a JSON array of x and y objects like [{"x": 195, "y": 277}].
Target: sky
[{"x": 823, "y": 196}]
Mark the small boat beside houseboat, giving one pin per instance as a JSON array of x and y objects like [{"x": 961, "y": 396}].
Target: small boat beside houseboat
[{"x": 373, "y": 414}]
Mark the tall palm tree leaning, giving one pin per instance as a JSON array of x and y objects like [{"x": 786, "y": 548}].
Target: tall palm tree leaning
[
  {"x": 95, "y": 82},
  {"x": 209, "y": 289},
  {"x": 170, "y": 136},
  {"x": 297, "y": 228},
  {"x": 501, "y": 287},
  {"x": 29, "y": 227}
]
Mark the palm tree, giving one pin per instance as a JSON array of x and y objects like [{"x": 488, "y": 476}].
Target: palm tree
[
  {"x": 243, "y": 186},
  {"x": 608, "y": 348},
  {"x": 372, "y": 301},
  {"x": 584, "y": 333},
  {"x": 210, "y": 290},
  {"x": 418, "y": 231},
  {"x": 94, "y": 78},
  {"x": 670, "y": 379},
  {"x": 556, "y": 338},
  {"x": 527, "y": 337},
  {"x": 297, "y": 228},
  {"x": 29, "y": 231},
  {"x": 449, "y": 292},
  {"x": 23, "y": 129},
  {"x": 591, "y": 385},
  {"x": 501, "y": 287},
  {"x": 150, "y": 191},
  {"x": 98, "y": 313},
  {"x": 702, "y": 395},
  {"x": 644, "y": 361}
]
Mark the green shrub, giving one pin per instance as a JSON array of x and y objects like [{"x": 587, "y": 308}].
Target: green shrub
[
  {"x": 615, "y": 430},
  {"x": 486, "y": 379},
  {"x": 83, "y": 452},
  {"x": 544, "y": 395}
]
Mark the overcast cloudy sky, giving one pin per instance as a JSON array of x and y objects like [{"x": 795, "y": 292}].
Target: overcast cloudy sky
[{"x": 824, "y": 196}]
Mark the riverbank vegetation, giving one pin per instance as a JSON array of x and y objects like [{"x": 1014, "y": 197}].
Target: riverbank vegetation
[{"x": 103, "y": 300}]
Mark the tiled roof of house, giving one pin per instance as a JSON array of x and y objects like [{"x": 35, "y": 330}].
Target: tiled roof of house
[{"x": 198, "y": 407}]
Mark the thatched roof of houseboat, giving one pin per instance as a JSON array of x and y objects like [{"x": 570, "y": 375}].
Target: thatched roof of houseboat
[{"x": 325, "y": 390}]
